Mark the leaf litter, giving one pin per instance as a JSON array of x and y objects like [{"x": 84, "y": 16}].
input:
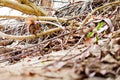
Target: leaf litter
[{"x": 89, "y": 53}]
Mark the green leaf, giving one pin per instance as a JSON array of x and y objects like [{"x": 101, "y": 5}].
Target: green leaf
[
  {"x": 100, "y": 25},
  {"x": 97, "y": 38},
  {"x": 90, "y": 34},
  {"x": 104, "y": 32},
  {"x": 43, "y": 63}
]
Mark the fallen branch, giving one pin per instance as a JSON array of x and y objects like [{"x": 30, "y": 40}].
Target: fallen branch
[
  {"x": 23, "y": 37},
  {"x": 22, "y": 54},
  {"x": 23, "y": 8},
  {"x": 42, "y": 18}
]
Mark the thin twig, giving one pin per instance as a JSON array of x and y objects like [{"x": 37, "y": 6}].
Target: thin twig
[
  {"x": 59, "y": 22},
  {"x": 66, "y": 53},
  {"x": 77, "y": 54},
  {"x": 72, "y": 47},
  {"x": 101, "y": 7},
  {"x": 43, "y": 18},
  {"x": 7, "y": 59}
]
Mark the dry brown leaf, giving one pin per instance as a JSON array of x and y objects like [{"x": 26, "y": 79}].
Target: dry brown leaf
[
  {"x": 114, "y": 45},
  {"x": 57, "y": 66},
  {"x": 95, "y": 50},
  {"x": 95, "y": 78},
  {"x": 118, "y": 78},
  {"x": 109, "y": 22},
  {"x": 108, "y": 58}
]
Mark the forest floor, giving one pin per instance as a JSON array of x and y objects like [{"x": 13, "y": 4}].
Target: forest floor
[{"x": 88, "y": 52}]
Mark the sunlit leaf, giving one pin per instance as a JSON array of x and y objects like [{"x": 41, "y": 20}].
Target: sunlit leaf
[
  {"x": 97, "y": 38},
  {"x": 100, "y": 24},
  {"x": 43, "y": 63},
  {"x": 104, "y": 32},
  {"x": 90, "y": 34}
]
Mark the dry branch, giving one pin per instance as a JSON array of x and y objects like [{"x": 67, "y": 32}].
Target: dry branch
[
  {"x": 23, "y": 7},
  {"x": 14, "y": 37},
  {"x": 42, "y": 18},
  {"x": 101, "y": 7}
]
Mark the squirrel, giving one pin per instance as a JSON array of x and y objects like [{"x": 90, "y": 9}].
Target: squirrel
[{"x": 32, "y": 26}]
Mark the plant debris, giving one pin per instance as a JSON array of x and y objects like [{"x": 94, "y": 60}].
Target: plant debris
[{"x": 85, "y": 47}]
